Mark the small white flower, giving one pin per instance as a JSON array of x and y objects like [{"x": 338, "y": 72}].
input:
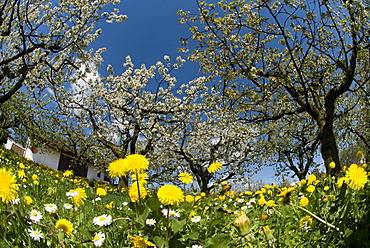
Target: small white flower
[
  {"x": 98, "y": 239},
  {"x": 68, "y": 206},
  {"x": 124, "y": 203},
  {"x": 150, "y": 222},
  {"x": 35, "y": 234},
  {"x": 96, "y": 199},
  {"x": 196, "y": 246},
  {"x": 72, "y": 194},
  {"x": 195, "y": 219},
  {"x": 244, "y": 208},
  {"x": 35, "y": 215},
  {"x": 51, "y": 208},
  {"x": 16, "y": 201},
  {"x": 103, "y": 220},
  {"x": 171, "y": 214},
  {"x": 166, "y": 57},
  {"x": 241, "y": 200}
]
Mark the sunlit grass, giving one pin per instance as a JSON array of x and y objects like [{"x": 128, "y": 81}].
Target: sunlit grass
[{"x": 52, "y": 209}]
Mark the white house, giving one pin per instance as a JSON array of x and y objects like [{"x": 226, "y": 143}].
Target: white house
[{"x": 55, "y": 159}]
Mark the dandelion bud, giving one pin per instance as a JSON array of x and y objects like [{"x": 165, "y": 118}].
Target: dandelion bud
[{"x": 242, "y": 222}]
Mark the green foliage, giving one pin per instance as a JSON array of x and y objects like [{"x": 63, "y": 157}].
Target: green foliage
[{"x": 335, "y": 216}]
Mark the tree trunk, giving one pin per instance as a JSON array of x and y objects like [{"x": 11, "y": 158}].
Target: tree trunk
[{"x": 329, "y": 150}]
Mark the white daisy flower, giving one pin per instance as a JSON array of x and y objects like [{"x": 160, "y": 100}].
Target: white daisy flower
[
  {"x": 103, "y": 220},
  {"x": 68, "y": 206},
  {"x": 16, "y": 201},
  {"x": 35, "y": 215},
  {"x": 150, "y": 222},
  {"x": 171, "y": 214},
  {"x": 195, "y": 219},
  {"x": 72, "y": 194},
  {"x": 35, "y": 234},
  {"x": 51, "y": 208},
  {"x": 98, "y": 239}
]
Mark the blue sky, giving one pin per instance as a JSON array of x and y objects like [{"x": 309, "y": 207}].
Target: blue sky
[{"x": 151, "y": 31}]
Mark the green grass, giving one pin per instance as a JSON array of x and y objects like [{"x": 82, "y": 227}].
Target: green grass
[{"x": 339, "y": 215}]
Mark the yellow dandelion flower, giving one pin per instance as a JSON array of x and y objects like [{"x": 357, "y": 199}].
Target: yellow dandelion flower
[
  {"x": 21, "y": 174},
  {"x": 286, "y": 192},
  {"x": 21, "y": 165},
  {"x": 264, "y": 217},
  {"x": 118, "y": 168},
  {"x": 304, "y": 202},
  {"x": 356, "y": 177},
  {"x": 78, "y": 196},
  {"x": 28, "y": 200},
  {"x": 215, "y": 166},
  {"x": 186, "y": 178},
  {"x": 262, "y": 200},
  {"x": 222, "y": 197},
  {"x": 136, "y": 193},
  {"x": 136, "y": 163},
  {"x": 65, "y": 226},
  {"x": 68, "y": 173},
  {"x": 326, "y": 188},
  {"x": 341, "y": 181},
  {"x": 303, "y": 181},
  {"x": 101, "y": 191},
  {"x": 332, "y": 165},
  {"x": 189, "y": 198},
  {"x": 360, "y": 154},
  {"x": 142, "y": 178},
  {"x": 109, "y": 205},
  {"x": 310, "y": 188},
  {"x": 36, "y": 182},
  {"x": 35, "y": 177},
  {"x": 224, "y": 183},
  {"x": 270, "y": 203},
  {"x": 170, "y": 195},
  {"x": 311, "y": 179},
  {"x": 8, "y": 186},
  {"x": 140, "y": 242},
  {"x": 305, "y": 222}
]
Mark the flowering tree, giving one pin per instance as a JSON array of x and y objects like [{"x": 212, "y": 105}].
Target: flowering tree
[
  {"x": 127, "y": 114},
  {"x": 293, "y": 59},
  {"x": 42, "y": 42},
  {"x": 211, "y": 134}
]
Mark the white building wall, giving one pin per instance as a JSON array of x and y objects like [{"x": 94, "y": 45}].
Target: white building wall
[
  {"x": 51, "y": 157},
  {"x": 92, "y": 173},
  {"x": 47, "y": 157}
]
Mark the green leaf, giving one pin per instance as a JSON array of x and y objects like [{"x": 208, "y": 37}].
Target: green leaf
[
  {"x": 192, "y": 235},
  {"x": 159, "y": 241},
  {"x": 221, "y": 240},
  {"x": 177, "y": 226}
]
